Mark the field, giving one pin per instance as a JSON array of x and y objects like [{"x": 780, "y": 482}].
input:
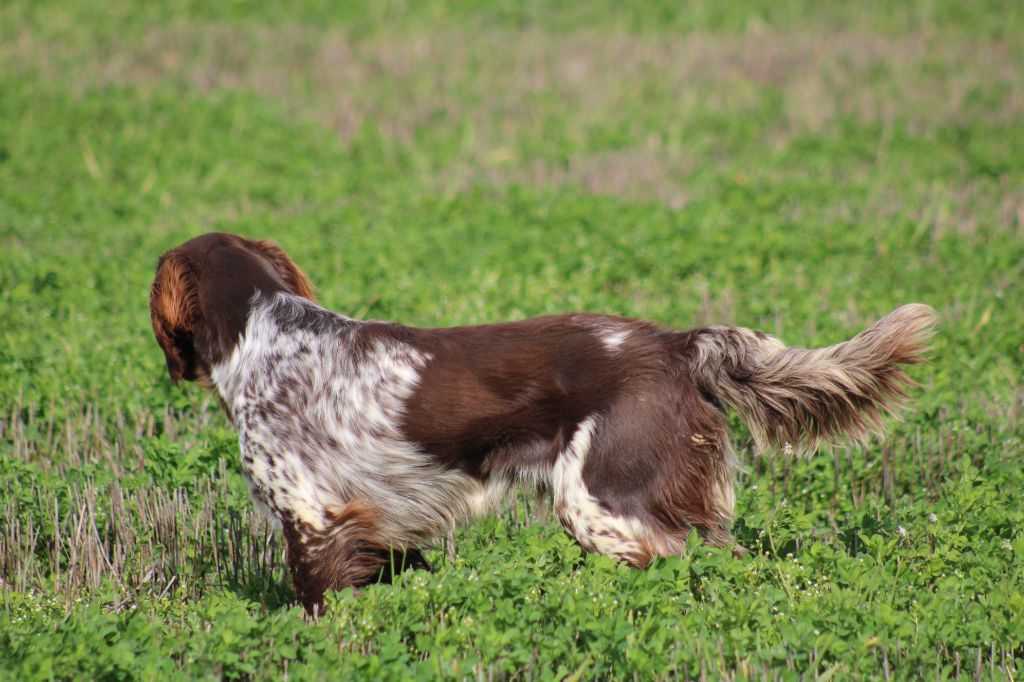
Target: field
[{"x": 797, "y": 167}]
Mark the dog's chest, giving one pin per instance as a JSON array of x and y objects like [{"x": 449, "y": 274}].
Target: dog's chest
[{"x": 320, "y": 424}]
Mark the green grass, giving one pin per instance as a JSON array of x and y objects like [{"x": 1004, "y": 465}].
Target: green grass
[{"x": 789, "y": 166}]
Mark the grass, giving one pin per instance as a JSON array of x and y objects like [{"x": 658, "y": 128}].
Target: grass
[{"x": 794, "y": 167}]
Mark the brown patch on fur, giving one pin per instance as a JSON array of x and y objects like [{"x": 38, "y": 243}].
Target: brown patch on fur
[
  {"x": 174, "y": 309},
  {"x": 294, "y": 278},
  {"x": 662, "y": 455},
  {"x": 347, "y": 552},
  {"x": 645, "y": 555},
  {"x": 507, "y": 397}
]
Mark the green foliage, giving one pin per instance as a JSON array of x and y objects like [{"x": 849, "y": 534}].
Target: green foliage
[{"x": 792, "y": 166}]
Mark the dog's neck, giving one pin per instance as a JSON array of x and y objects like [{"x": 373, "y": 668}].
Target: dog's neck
[
  {"x": 226, "y": 304},
  {"x": 239, "y": 340},
  {"x": 277, "y": 326}
]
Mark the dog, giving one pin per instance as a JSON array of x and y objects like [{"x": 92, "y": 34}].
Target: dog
[{"x": 366, "y": 440}]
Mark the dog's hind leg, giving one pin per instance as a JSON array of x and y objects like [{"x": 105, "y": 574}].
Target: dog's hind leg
[
  {"x": 634, "y": 481},
  {"x": 595, "y": 527}
]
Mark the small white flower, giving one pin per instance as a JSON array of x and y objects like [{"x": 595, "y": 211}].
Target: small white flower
[
  {"x": 933, "y": 518},
  {"x": 901, "y": 531},
  {"x": 787, "y": 449},
  {"x": 1007, "y": 546}
]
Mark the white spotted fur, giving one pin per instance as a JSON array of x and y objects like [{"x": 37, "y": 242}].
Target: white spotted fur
[
  {"x": 613, "y": 339},
  {"x": 611, "y": 333},
  {"x": 359, "y": 405}
]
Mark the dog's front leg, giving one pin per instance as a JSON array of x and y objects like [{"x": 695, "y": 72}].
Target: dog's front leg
[
  {"x": 309, "y": 577},
  {"x": 346, "y": 550}
]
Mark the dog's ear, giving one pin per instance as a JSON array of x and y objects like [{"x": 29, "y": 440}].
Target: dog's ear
[
  {"x": 294, "y": 278},
  {"x": 174, "y": 307}
]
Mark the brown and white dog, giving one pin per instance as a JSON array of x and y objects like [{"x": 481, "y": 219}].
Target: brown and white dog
[{"x": 368, "y": 440}]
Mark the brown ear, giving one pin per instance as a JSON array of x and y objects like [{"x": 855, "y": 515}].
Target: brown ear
[
  {"x": 174, "y": 307},
  {"x": 294, "y": 278}
]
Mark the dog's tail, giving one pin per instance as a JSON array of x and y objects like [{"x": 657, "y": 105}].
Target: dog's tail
[{"x": 797, "y": 398}]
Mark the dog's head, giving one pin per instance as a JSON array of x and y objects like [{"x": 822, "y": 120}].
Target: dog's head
[{"x": 199, "y": 301}]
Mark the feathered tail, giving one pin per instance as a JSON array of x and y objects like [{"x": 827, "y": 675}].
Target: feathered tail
[{"x": 800, "y": 398}]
